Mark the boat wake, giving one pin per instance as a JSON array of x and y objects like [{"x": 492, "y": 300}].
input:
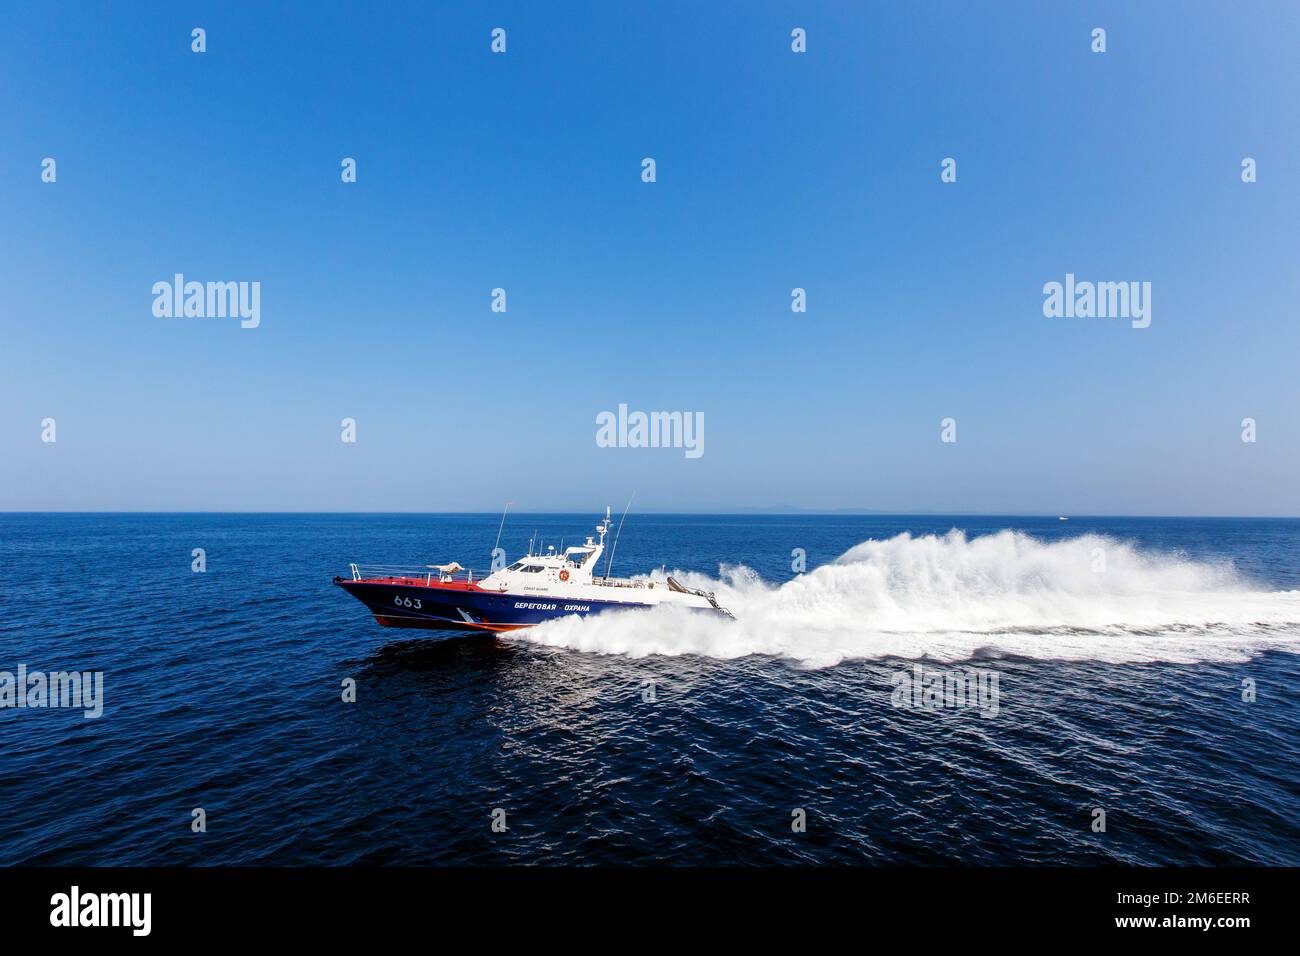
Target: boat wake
[{"x": 951, "y": 598}]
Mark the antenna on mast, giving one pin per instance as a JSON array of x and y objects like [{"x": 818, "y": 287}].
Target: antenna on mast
[
  {"x": 610, "y": 561},
  {"x": 500, "y": 528}
]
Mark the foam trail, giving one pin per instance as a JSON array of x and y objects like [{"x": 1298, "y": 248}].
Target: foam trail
[{"x": 948, "y": 597}]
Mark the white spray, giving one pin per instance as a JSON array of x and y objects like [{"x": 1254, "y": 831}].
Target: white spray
[{"x": 948, "y": 597}]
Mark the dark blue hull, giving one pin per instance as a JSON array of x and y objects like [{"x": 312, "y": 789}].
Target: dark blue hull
[{"x": 466, "y": 608}]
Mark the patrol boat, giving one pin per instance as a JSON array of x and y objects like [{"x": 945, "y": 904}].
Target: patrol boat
[{"x": 536, "y": 588}]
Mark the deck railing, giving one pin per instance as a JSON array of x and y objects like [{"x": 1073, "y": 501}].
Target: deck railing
[
  {"x": 423, "y": 574},
  {"x": 622, "y": 582},
  {"x": 414, "y": 574}
]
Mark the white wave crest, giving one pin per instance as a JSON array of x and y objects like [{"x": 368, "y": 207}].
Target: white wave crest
[{"x": 949, "y": 597}]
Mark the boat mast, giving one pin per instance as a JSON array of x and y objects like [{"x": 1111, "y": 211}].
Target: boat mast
[
  {"x": 500, "y": 527},
  {"x": 610, "y": 561}
]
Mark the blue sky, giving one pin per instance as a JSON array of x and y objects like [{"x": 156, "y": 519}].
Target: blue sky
[{"x": 774, "y": 171}]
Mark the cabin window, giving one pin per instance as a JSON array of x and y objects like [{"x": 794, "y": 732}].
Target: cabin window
[
  {"x": 533, "y": 569},
  {"x": 578, "y": 558},
  {"x": 516, "y": 566}
]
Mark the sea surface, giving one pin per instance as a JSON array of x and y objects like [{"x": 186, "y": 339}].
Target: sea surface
[{"x": 1145, "y": 668}]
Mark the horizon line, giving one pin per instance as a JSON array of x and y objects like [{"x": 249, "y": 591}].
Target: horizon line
[{"x": 756, "y": 512}]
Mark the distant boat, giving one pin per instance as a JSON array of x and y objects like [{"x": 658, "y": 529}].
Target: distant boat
[
  {"x": 537, "y": 588},
  {"x": 1062, "y": 519}
]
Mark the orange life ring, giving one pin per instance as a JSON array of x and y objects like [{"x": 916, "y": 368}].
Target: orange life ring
[{"x": 564, "y": 575}]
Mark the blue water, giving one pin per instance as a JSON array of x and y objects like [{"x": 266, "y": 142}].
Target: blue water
[{"x": 222, "y": 691}]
